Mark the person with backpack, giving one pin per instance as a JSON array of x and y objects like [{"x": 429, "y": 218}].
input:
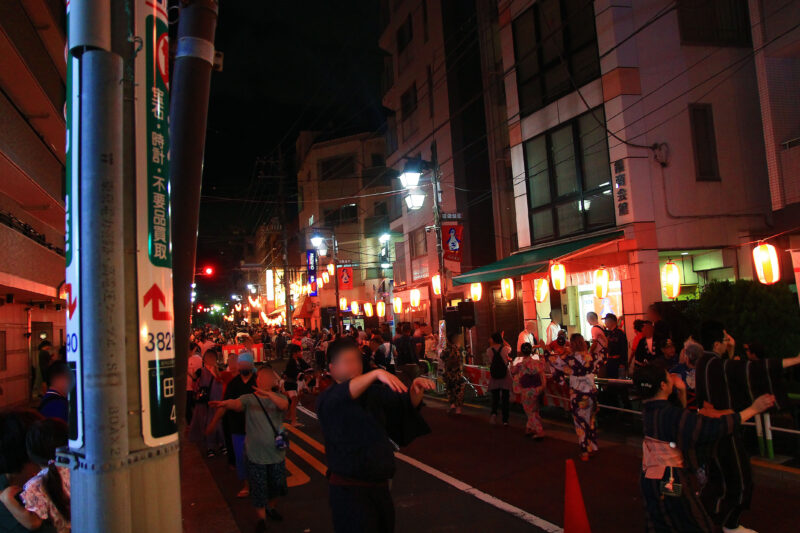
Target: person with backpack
[
  {"x": 500, "y": 383},
  {"x": 265, "y": 442},
  {"x": 529, "y": 383}
]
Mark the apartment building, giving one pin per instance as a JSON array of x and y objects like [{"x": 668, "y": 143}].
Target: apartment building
[
  {"x": 343, "y": 195},
  {"x": 637, "y": 139},
  {"x": 32, "y": 133},
  {"x": 443, "y": 86}
]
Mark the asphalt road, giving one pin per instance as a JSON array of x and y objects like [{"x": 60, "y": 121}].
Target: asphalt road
[{"x": 469, "y": 476}]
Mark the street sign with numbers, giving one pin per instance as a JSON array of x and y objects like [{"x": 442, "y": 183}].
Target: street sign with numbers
[{"x": 153, "y": 239}]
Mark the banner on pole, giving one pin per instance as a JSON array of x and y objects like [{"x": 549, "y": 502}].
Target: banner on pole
[
  {"x": 451, "y": 241},
  {"x": 345, "y": 277},
  {"x": 311, "y": 267}
]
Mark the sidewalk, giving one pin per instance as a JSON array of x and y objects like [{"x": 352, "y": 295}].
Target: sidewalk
[{"x": 203, "y": 507}]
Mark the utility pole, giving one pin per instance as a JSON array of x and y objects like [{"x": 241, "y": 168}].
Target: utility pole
[
  {"x": 437, "y": 225},
  {"x": 287, "y": 297},
  {"x": 123, "y": 448},
  {"x": 335, "y": 245},
  {"x": 191, "y": 84}
]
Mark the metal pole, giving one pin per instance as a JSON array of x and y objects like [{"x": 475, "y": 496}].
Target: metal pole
[
  {"x": 336, "y": 282},
  {"x": 101, "y": 480},
  {"x": 287, "y": 298},
  {"x": 191, "y": 84},
  {"x": 437, "y": 224}
]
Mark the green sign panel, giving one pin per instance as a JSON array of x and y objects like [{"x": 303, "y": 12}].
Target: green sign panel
[{"x": 163, "y": 420}]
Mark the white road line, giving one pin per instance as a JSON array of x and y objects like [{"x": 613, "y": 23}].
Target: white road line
[{"x": 532, "y": 519}]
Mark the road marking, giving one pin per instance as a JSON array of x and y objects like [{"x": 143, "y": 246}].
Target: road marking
[
  {"x": 532, "y": 519},
  {"x": 310, "y": 440},
  {"x": 296, "y": 476},
  {"x": 310, "y": 459}
]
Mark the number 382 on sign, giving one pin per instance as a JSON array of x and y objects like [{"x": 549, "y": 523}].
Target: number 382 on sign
[{"x": 159, "y": 341}]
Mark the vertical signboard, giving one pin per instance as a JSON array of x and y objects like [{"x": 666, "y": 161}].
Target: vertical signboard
[
  {"x": 153, "y": 240},
  {"x": 311, "y": 267},
  {"x": 451, "y": 241},
  {"x": 72, "y": 249}
]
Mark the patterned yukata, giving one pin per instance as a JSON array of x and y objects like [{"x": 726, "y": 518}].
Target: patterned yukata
[
  {"x": 530, "y": 395},
  {"x": 37, "y": 501},
  {"x": 453, "y": 358},
  {"x": 582, "y": 395}
]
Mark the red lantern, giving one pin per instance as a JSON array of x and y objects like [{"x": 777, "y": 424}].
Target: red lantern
[
  {"x": 601, "y": 282},
  {"x": 436, "y": 283},
  {"x": 507, "y": 289},
  {"x": 381, "y": 309},
  {"x": 343, "y": 304},
  {"x": 541, "y": 290},
  {"x": 397, "y": 305},
  {"x": 368, "y": 309},
  {"x": 768, "y": 269},
  {"x": 415, "y": 296},
  {"x": 671, "y": 280},
  {"x": 476, "y": 291},
  {"x": 354, "y": 307},
  {"x": 558, "y": 276}
]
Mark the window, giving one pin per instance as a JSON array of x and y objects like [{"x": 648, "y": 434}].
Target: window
[
  {"x": 418, "y": 242},
  {"x": 714, "y": 22},
  {"x": 377, "y": 160},
  {"x": 399, "y": 265},
  {"x": 704, "y": 142},
  {"x": 404, "y": 35},
  {"x": 553, "y": 41},
  {"x": 569, "y": 178},
  {"x": 337, "y": 167},
  {"x": 408, "y": 101},
  {"x": 349, "y": 214}
]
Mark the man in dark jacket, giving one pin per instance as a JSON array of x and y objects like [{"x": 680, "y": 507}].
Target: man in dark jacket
[
  {"x": 362, "y": 416},
  {"x": 54, "y": 403}
]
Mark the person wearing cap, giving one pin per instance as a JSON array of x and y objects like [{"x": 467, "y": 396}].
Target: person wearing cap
[{"x": 243, "y": 383}]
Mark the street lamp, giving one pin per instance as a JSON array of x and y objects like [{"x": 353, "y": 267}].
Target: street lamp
[
  {"x": 409, "y": 178},
  {"x": 317, "y": 240}
]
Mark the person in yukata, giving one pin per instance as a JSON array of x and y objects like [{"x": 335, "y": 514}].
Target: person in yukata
[
  {"x": 453, "y": 360},
  {"x": 671, "y": 475},
  {"x": 363, "y": 418},
  {"x": 725, "y": 385},
  {"x": 580, "y": 365},
  {"x": 529, "y": 383}
]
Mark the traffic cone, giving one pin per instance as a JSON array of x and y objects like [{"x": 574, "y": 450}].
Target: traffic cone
[{"x": 575, "y": 518}]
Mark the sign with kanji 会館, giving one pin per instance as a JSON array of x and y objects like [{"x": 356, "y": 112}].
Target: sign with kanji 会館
[
  {"x": 345, "y": 277},
  {"x": 153, "y": 239},
  {"x": 451, "y": 241},
  {"x": 623, "y": 205},
  {"x": 72, "y": 248}
]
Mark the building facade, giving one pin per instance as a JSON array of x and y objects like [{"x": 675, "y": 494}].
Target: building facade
[
  {"x": 344, "y": 196},
  {"x": 637, "y": 139},
  {"x": 32, "y": 133},
  {"x": 443, "y": 86}
]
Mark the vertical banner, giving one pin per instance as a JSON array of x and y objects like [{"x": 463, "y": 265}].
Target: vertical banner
[
  {"x": 153, "y": 240},
  {"x": 451, "y": 241},
  {"x": 72, "y": 248},
  {"x": 311, "y": 267},
  {"x": 345, "y": 277}
]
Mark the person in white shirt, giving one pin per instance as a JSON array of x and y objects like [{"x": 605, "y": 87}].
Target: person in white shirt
[
  {"x": 527, "y": 335},
  {"x": 554, "y": 327}
]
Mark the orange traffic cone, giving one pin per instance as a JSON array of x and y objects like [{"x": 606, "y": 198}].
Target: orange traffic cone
[{"x": 575, "y": 519}]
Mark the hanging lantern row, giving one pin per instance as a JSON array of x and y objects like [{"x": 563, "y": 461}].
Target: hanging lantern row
[
  {"x": 380, "y": 308},
  {"x": 541, "y": 290},
  {"x": 436, "y": 284},
  {"x": 476, "y": 291},
  {"x": 768, "y": 270},
  {"x": 671, "y": 280},
  {"x": 507, "y": 289}
]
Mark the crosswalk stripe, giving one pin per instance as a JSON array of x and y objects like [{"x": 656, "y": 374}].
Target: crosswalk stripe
[
  {"x": 310, "y": 440},
  {"x": 310, "y": 459},
  {"x": 296, "y": 476}
]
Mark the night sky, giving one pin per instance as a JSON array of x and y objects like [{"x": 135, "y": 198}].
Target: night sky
[{"x": 288, "y": 66}]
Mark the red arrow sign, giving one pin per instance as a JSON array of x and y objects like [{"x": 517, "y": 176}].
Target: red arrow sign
[
  {"x": 157, "y": 297},
  {"x": 72, "y": 304}
]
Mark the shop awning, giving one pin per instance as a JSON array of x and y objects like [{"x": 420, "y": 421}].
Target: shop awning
[
  {"x": 304, "y": 308},
  {"x": 529, "y": 261}
]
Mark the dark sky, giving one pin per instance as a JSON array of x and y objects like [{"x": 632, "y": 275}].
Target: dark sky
[{"x": 288, "y": 66}]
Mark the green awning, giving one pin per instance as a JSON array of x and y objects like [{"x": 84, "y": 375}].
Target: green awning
[{"x": 529, "y": 261}]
